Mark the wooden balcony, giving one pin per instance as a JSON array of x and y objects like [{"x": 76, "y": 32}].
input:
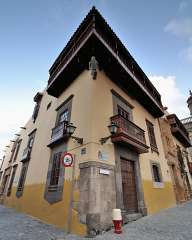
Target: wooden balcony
[
  {"x": 190, "y": 167},
  {"x": 178, "y": 130},
  {"x": 129, "y": 134},
  {"x": 26, "y": 154},
  {"x": 94, "y": 37},
  {"x": 59, "y": 134}
]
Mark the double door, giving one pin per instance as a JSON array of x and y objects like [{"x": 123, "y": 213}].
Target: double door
[{"x": 129, "y": 185}]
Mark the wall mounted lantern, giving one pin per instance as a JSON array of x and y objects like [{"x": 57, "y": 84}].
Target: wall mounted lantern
[
  {"x": 112, "y": 129},
  {"x": 70, "y": 130}
]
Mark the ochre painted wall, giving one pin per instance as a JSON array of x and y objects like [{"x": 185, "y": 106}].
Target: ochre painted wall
[
  {"x": 157, "y": 199},
  {"x": 32, "y": 203},
  {"x": 103, "y": 110}
]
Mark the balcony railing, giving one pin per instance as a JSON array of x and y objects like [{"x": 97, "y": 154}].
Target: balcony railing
[
  {"x": 129, "y": 133},
  {"x": 67, "y": 54},
  {"x": 26, "y": 154},
  {"x": 58, "y": 133}
]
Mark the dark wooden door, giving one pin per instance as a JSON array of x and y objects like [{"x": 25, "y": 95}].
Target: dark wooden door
[{"x": 129, "y": 185}]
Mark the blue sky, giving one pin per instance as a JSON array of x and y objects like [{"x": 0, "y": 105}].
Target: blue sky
[{"x": 32, "y": 33}]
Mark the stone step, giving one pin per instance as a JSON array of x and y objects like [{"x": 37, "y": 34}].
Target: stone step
[{"x": 131, "y": 217}]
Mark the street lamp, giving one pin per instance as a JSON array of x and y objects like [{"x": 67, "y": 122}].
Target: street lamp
[
  {"x": 70, "y": 130},
  {"x": 113, "y": 128}
]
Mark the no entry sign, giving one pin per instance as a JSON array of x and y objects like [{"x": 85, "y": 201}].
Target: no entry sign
[{"x": 67, "y": 159}]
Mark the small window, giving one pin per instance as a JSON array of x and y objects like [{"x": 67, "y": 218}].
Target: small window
[
  {"x": 63, "y": 116},
  {"x": 180, "y": 159},
  {"x": 13, "y": 151},
  {"x": 4, "y": 183},
  {"x": 55, "y": 169},
  {"x": 49, "y": 105},
  {"x": 151, "y": 135},
  {"x": 31, "y": 139},
  {"x": 17, "y": 150},
  {"x": 30, "y": 144},
  {"x": 168, "y": 141},
  {"x": 156, "y": 173},
  {"x": 22, "y": 177},
  {"x": 11, "y": 181},
  {"x": 35, "y": 112}
]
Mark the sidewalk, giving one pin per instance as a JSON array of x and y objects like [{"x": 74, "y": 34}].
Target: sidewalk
[{"x": 171, "y": 224}]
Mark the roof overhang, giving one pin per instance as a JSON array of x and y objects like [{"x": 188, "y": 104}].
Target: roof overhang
[
  {"x": 179, "y": 130},
  {"x": 95, "y": 38}
]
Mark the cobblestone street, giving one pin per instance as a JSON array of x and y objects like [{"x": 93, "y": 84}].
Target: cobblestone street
[
  {"x": 17, "y": 226},
  {"x": 170, "y": 224}
]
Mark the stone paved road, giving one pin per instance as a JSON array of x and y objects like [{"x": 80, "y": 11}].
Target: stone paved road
[
  {"x": 16, "y": 226},
  {"x": 170, "y": 224}
]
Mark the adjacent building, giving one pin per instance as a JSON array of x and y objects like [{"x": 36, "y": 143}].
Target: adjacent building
[
  {"x": 95, "y": 85},
  {"x": 176, "y": 141},
  {"x": 187, "y": 122}
]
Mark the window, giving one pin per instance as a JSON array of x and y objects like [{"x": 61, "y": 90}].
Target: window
[
  {"x": 35, "y": 112},
  {"x": 37, "y": 99},
  {"x": 180, "y": 159},
  {"x": 156, "y": 174},
  {"x": 63, "y": 116},
  {"x": 13, "y": 151},
  {"x": 168, "y": 141},
  {"x": 122, "y": 112},
  {"x": 151, "y": 134},
  {"x": 55, "y": 176},
  {"x": 1, "y": 173},
  {"x": 4, "y": 183},
  {"x": 11, "y": 181},
  {"x": 49, "y": 105},
  {"x": 17, "y": 150},
  {"x": 22, "y": 177},
  {"x": 30, "y": 144},
  {"x": 55, "y": 169},
  {"x": 31, "y": 139}
]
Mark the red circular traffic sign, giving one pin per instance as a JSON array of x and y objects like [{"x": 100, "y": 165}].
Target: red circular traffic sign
[{"x": 67, "y": 159}]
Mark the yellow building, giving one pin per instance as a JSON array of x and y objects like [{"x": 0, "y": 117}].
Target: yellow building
[{"x": 94, "y": 85}]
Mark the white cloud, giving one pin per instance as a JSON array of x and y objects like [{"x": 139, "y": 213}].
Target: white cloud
[
  {"x": 183, "y": 5},
  {"x": 172, "y": 97},
  {"x": 182, "y": 28}
]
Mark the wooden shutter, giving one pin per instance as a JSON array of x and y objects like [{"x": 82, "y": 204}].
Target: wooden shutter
[
  {"x": 151, "y": 135},
  {"x": 55, "y": 169}
]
